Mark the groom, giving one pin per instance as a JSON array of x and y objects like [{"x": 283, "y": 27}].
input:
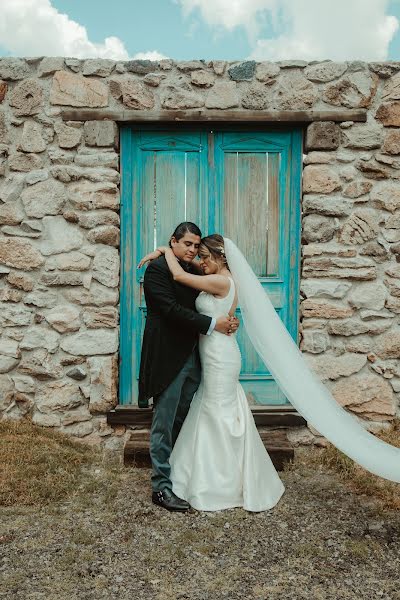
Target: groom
[{"x": 170, "y": 368}]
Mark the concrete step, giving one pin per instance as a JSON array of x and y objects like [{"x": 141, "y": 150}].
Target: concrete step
[
  {"x": 264, "y": 416},
  {"x": 136, "y": 451}
]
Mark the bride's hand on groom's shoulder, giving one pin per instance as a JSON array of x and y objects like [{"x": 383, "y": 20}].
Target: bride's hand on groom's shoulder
[{"x": 151, "y": 256}]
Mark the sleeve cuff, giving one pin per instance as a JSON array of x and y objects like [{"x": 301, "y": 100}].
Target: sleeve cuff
[{"x": 212, "y": 326}]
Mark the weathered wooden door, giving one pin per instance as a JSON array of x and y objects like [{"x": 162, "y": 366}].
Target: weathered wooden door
[{"x": 243, "y": 185}]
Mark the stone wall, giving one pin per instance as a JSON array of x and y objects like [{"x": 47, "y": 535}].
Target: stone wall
[{"x": 59, "y": 225}]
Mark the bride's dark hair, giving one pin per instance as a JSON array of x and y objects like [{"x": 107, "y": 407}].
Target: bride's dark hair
[{"x": 215, "y": 245}]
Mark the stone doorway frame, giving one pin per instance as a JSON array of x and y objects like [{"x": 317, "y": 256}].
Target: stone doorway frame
[{"x": 323, "y": 120}]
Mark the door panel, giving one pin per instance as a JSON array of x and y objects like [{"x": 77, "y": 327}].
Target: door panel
[
  {"x": 162, "y": 184},
  {"x": 245, "y": 186},
  {"x": 259, "y": 212}
]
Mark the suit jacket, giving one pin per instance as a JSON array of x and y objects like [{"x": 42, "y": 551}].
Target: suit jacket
[{"x": 171, "y": 332}]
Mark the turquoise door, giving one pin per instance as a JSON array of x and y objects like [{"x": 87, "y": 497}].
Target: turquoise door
[{"x": 243, "y": 185}]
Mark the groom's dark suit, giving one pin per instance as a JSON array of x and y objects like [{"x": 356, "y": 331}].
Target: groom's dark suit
[{"x": 170, "y": 366}]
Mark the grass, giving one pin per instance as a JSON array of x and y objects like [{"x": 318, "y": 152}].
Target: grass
[
  {"x": 358, "y": 479},
  {"x": 39, "y": 466}
]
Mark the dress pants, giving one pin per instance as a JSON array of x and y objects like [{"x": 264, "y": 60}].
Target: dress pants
[{"x": 169, "y": 412}]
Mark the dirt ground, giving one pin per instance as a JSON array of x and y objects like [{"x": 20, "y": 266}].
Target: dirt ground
[{"x": 321, "y": 541}]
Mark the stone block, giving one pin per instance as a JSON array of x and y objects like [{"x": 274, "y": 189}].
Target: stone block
[
  {"x": 329, "y": 366},
  {"x": 101, "y": 133},
  {"x": 325, "y": 71},
  {"x": 362, "y": 226},
  {"x": 59, "y": 236},
  {"x": 106, "y": 266},
  {"x": 13, "y": 69},
  {"x": 20, "y": 254},
  {"x": 186, "y": 66},
  {"x": 257, "y": 97},
  {"x": 10, "y": 214},
  {"x": 44, "y": 198},
  {"x": 218, "y": 66},
  {"x": 19, "y": 161},
  {"x": 40, "y": 337},
  {"x": 322, "y": 309},
  {"x": 67, "y": 137},
  {"x": 103, "y": 383},
  {"x": 368, "y": 295},
  {"x": 386, "y": 195},
  {"x": 391, "y": 145},
  {"x": 389, "y": 114},
  {"x": 90, "y": 343},
  {"x": 367, "y": 395},
  {"x": 64, "y": 318},
  {"x": 356, "y": 189},
  {"x": 365, "y": 136},
  {"x": 58, "y": 396},
  {"x": 320, "y": 179},
  {"x": 105, "y": 234},
  {"x": 27, "y": 98},
  {"x": 323, "y": 135},
  {"x": 98, "y": 318},
  {"x": 133, "y": 93},
  {"x": 327, "y": 205},
  {"x": 97, "y": 295},
  {"x": 340, "y": 268},
  {"x": 32, "y": 138},
  {"x": 353, "y": 91},
  {"x": 293, "y": 91},
  {"x": 74, "y": 90},
  {"x": 317, "y": 228},
  {"x": 50, "y": 65},
  {"x": 202, "y": 78},
  {"x": 391, "y": 89},
  {"x": 223, "y": 95},
  {"x": 243, "y": 72},
  {"x": 315, "y": 341},
  {"x": 102, "y": 67},
  {"x": 267, "y": 72},
  {"x": 177, "y": 98},
  {"x": 141, "y": 67}
]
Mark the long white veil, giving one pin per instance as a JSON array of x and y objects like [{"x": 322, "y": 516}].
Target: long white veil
[{"x": 303, "y": 389}]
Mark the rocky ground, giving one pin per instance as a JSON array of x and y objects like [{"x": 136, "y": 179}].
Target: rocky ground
[{"x": 321, "y": 541}]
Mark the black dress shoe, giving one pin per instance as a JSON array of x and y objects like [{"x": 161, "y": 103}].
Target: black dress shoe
[{"x": 167, "y": 499}]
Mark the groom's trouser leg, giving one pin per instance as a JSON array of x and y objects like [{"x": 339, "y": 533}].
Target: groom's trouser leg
[
  {"x": 166, "y": 406},
  {"x": 189, "y": 389}
]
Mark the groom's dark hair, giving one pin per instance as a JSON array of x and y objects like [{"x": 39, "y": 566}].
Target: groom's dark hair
[{"x": 183, "y": 228}]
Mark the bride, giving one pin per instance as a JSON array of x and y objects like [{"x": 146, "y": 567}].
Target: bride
[{"x": 219, "y": 460}]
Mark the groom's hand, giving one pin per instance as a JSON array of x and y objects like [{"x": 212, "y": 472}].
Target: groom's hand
[
  {"x": 234, "y": 324},
  {"x": 226, "y": 325}
]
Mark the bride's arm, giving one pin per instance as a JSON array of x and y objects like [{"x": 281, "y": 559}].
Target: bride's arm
[
  {"x": 159, "y": 252},
  {"x": 149, "y": 257},
  {"x": 213, "y": 284}
]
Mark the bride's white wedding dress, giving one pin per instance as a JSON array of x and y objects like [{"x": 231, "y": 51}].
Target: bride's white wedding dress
[{"x": 219, "y": 460}]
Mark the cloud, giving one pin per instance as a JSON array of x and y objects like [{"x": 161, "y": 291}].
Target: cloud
[
  {"x": 353, "y": 29},
  {"x": 36, "y": 28},
  {"x": 231, "y": 13},
  {"x": 150, "y": 55},
  {"x": 305, "y": 29}
]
